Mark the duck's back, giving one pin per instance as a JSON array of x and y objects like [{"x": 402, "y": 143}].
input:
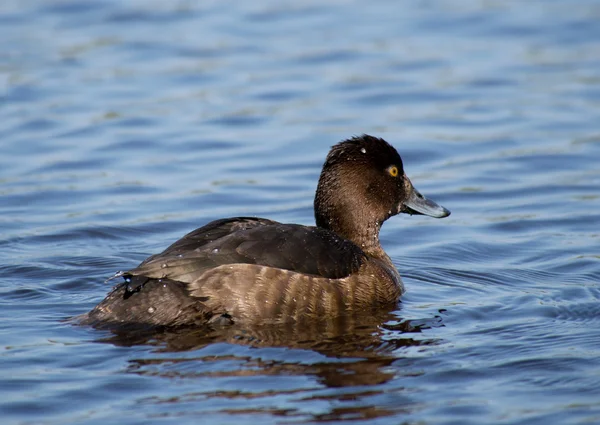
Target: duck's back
[{"x": 243, "y": 240}]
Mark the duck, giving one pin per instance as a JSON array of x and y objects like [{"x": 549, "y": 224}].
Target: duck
[{"x": 256, "y": 270}]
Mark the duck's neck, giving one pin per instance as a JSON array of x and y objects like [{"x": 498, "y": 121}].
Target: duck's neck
[{"x": 362, "y": 231}]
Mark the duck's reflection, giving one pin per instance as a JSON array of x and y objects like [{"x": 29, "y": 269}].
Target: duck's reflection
[
  {"x": 346, "y": 336},
  {"x": 349, "y": 362}
]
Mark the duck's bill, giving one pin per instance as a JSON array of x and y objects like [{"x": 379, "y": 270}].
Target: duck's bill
[{"x": 418, "y": 204}]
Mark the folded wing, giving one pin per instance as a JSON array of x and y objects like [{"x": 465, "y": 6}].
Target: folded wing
[{"x": 303, "y": 249}]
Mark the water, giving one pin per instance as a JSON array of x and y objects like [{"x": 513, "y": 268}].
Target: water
[{"x": 125, "y": 125}]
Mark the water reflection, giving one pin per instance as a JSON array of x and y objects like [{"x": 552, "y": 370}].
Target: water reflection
[
  {"x": 345, "y": 336},
  {"x": 347, "y": 365}
]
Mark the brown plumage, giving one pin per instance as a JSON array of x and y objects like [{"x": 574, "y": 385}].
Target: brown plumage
[{"x": 257, "y": 270}]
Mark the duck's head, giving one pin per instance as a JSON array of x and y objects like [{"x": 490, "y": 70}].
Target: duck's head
[{"x": 363, "y": 184}]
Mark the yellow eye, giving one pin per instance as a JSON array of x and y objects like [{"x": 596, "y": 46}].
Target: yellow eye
[{"x": 393, "y": 170}]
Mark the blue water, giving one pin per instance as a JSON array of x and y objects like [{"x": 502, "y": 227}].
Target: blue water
[{"x": 124, "y": 125}]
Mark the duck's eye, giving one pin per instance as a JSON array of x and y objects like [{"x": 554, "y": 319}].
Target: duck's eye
[{"x": 393, "y": 170}]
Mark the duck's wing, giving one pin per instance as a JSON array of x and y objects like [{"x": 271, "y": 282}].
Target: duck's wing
[
  {"x": 207, "y": 234},
  {"x": 303, "y": 249}
]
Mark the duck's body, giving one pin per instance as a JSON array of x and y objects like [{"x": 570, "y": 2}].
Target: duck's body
[{"x": 258, "y": 270}]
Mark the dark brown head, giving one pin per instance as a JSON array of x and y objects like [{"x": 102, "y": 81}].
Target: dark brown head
[{"x": 363, "y": 184}]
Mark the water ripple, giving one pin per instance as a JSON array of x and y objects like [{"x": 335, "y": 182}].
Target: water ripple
[{"x": 126, "y": 125}]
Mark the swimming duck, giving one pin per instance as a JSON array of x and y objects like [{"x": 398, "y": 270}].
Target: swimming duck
[{"x": 246, "y": 269}]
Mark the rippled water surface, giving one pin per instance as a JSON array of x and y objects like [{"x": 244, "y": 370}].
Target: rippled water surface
[{"x": 124, "y": 125}]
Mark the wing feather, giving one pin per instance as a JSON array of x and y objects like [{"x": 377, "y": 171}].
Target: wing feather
[{"x": 303, "y": 249}]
